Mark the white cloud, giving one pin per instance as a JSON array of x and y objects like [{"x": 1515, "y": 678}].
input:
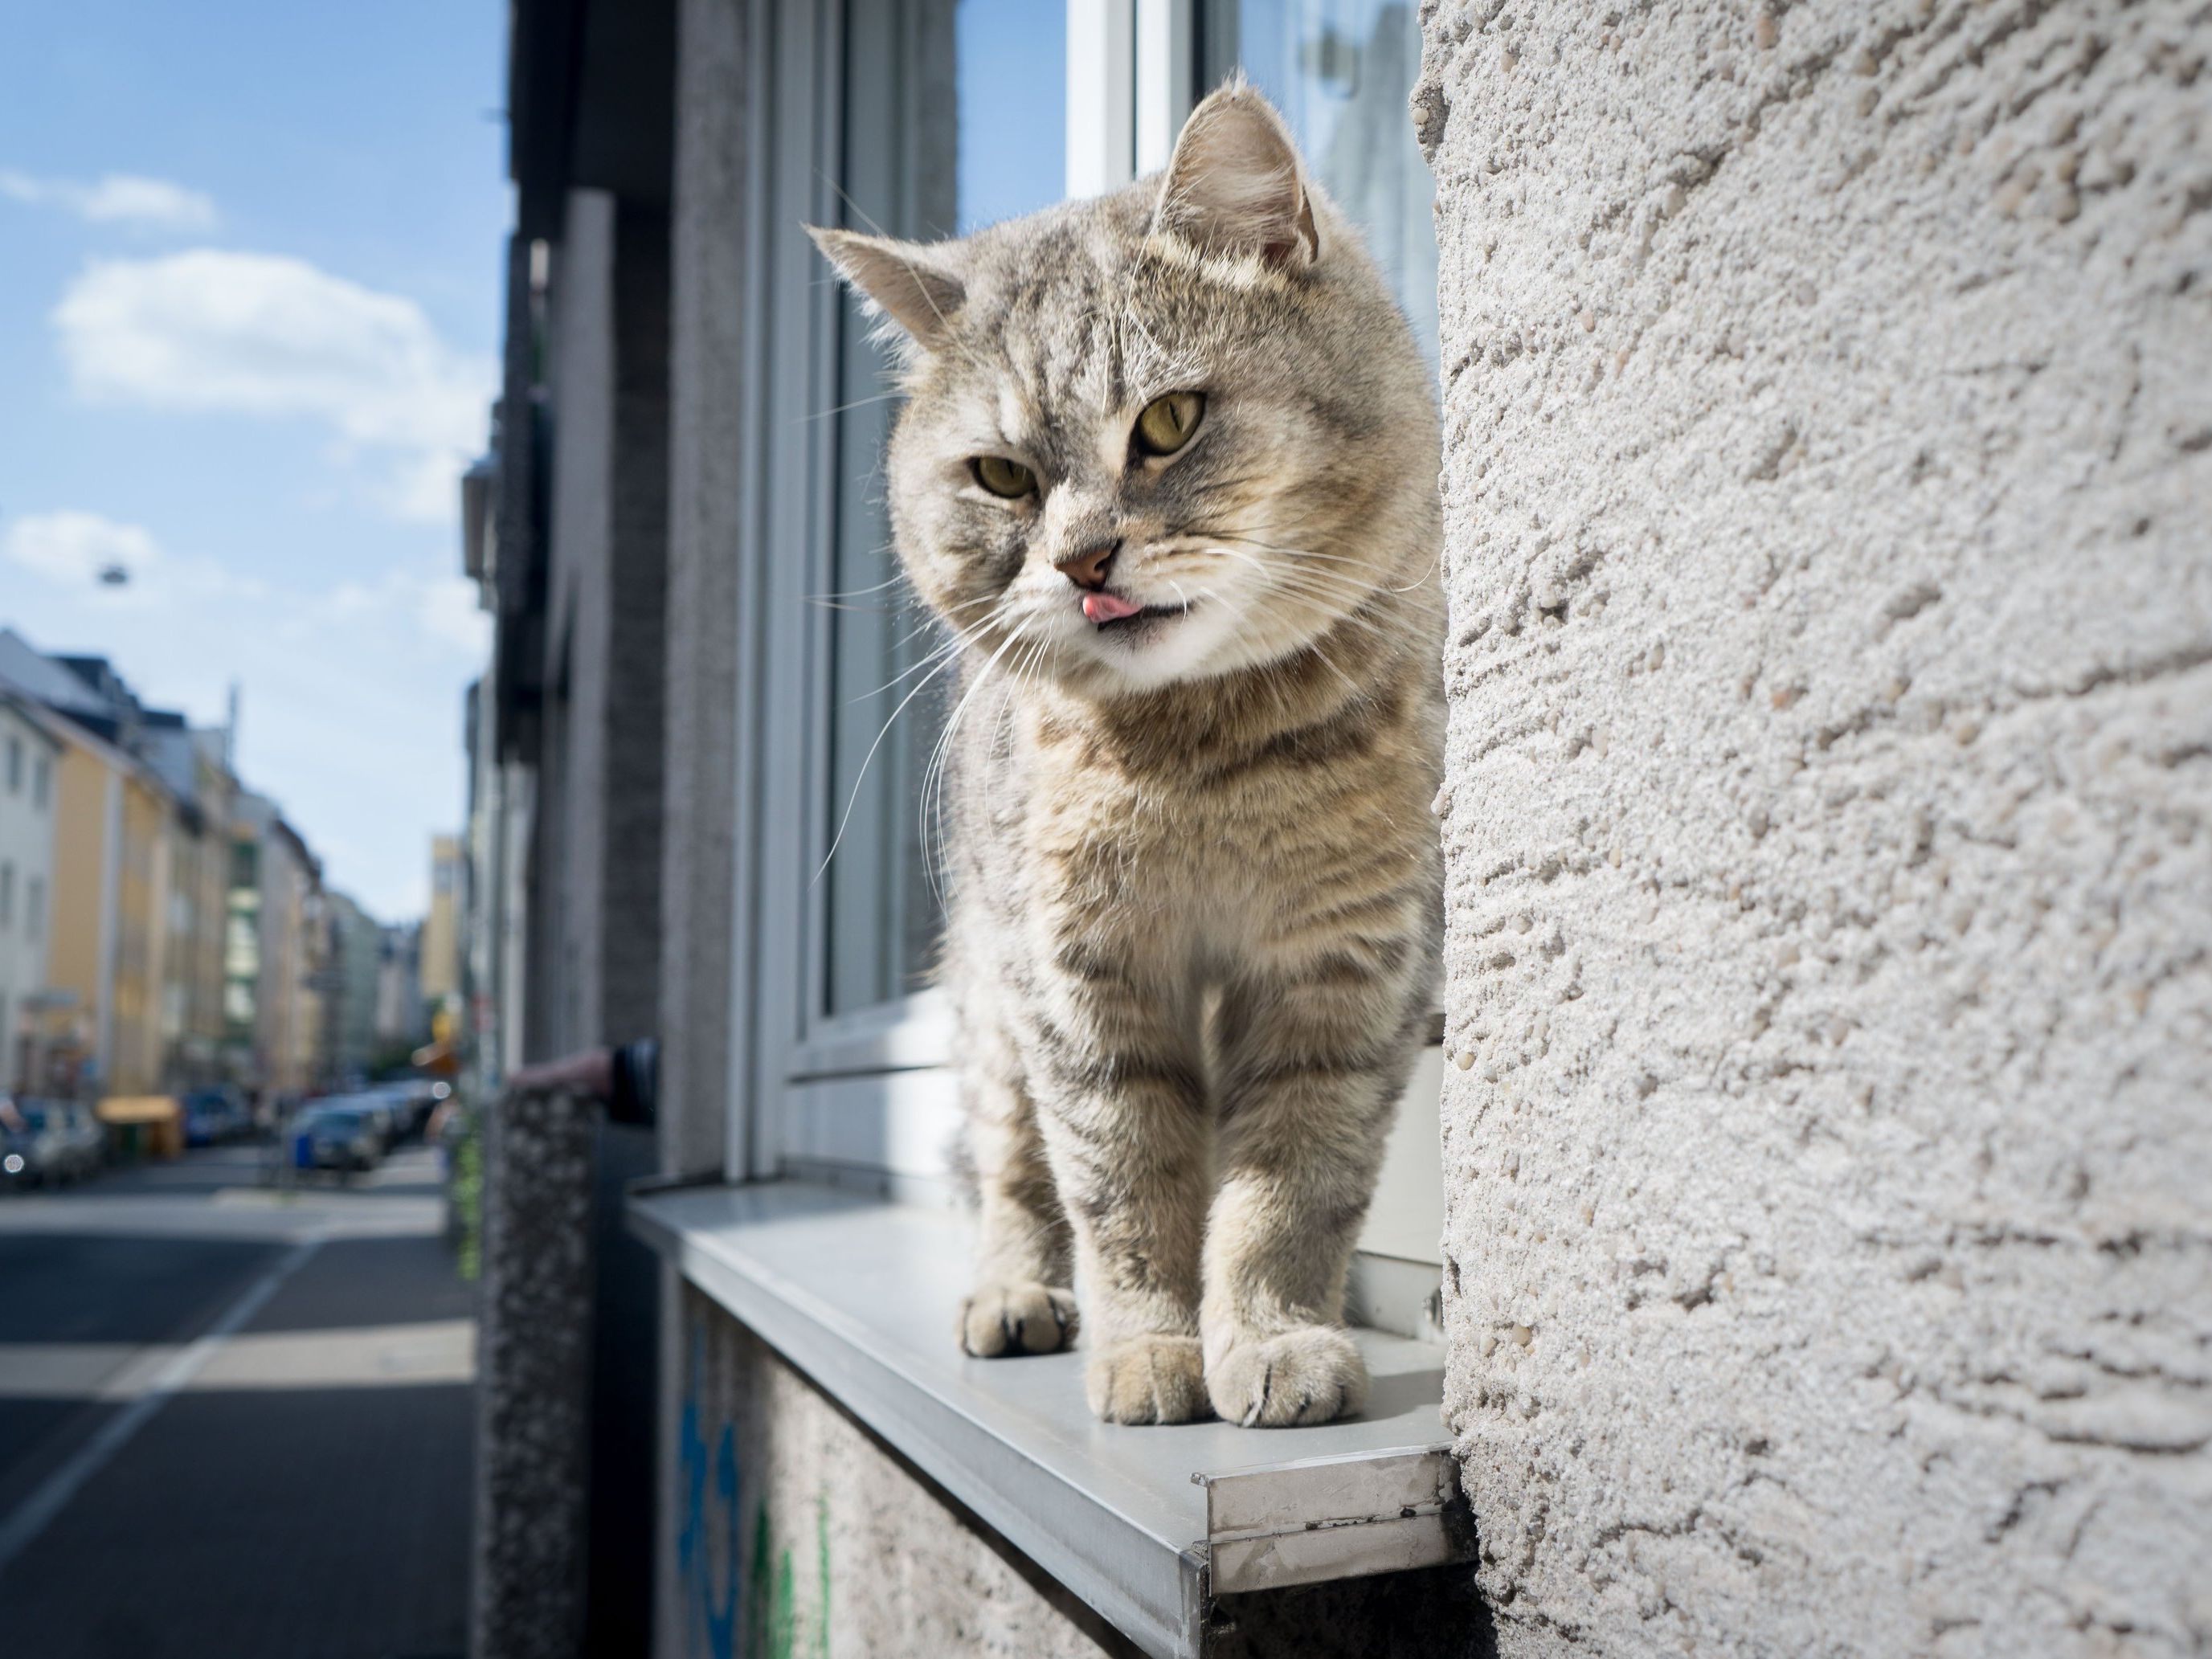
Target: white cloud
[
  {"x": 261, "y": 334},
  {"x": 352, "y": 692},
  {"x": 120, "y": 198},
  {"x": 78, "y": 548}
]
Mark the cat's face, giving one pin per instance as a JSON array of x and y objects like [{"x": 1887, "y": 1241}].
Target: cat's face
[{"x": 1159, "y": 436}]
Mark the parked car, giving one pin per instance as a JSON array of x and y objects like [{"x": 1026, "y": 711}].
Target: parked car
[
  {"x": 215, "y": 1114},
  {"x": 48, "y": 1142},
  {"x": 343, "y": 1135}
]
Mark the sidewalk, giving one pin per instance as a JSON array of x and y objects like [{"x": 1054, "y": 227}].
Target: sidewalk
[{"x": 304, "y": 1492}]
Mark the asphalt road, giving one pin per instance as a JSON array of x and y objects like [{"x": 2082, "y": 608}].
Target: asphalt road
[{"x": 235, "y": 1421}]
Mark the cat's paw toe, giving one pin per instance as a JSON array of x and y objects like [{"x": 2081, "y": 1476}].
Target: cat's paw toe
[
  {"x": 1021, "y": 1316},
  {"x": 1311, "y": 1375},
  {"x": 1148, "y": 1379}
]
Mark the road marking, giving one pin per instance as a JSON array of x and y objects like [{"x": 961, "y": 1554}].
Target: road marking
[{"x": 54, "y": 1494}]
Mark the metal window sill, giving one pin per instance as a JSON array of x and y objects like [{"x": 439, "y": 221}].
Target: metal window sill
[{"x": 1144, "y": 1524}]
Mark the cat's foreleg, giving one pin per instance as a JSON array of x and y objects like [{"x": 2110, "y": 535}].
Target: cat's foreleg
[
  {"x": 1314, "y": 1059},
  {"x": 1023, "y": 1302},
  {"x": 1123, "y": 1105}
]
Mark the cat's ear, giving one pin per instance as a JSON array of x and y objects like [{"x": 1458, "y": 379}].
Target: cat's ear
[
  {"x": 910, "y": 283},
  {"x": 1235, "y": 185}
]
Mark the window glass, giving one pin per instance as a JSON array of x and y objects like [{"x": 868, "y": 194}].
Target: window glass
[
  {"x": 1341, "y": 71},
  {"x": 954, "y": 118}
]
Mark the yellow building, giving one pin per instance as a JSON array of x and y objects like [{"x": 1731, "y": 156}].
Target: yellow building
[
  {"x": 441, "y": 927},
  {"x": 111, "y": 915}
]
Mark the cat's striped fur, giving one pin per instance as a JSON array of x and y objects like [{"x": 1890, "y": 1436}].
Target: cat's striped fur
[{"x": 1195, "y": 885}]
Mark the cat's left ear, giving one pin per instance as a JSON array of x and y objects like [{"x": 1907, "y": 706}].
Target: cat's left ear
[
  {"x": 910, "y": 283},
  {"x": 1235, "y": 185}
]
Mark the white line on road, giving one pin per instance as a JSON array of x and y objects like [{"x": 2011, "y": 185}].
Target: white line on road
[{"x": 38, "y": 1511}]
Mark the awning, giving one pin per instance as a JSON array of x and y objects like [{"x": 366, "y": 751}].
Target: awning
[{"x": 137, "y": 1109}]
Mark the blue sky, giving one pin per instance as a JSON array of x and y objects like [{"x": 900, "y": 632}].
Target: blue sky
[{"x": 249, "y": 269}]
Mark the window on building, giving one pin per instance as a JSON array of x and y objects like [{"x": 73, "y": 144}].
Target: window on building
[
  {"x": 6, "y": 895},
  {"x": 1341, "y": 71},
  {"x": 920, "y": 165},
  {"x": 42, "y": 776},
  {"x": 15, "y": 764},
  {"x": 34, "y": 908}
]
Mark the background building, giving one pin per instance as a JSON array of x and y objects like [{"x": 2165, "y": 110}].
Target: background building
[
  {"x": 28, "y": 754},
  {"x": 272, "y": 1010},
  {"x": 438, "y": 952},
  {"x": 109, "y": 922},
  {"x": 353, "y": 978},
  {"x": 194, "y": 766},
  {"x": 400, "y": 1017}
]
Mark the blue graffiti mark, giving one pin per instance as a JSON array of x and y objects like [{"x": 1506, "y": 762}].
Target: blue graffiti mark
[{"x": 713, "y": 1616}]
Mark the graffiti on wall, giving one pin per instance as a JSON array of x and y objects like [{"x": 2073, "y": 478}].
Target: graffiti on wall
[{"x": 734, "y": 1611}]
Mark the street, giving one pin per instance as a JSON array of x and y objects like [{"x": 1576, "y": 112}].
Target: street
[{"x": 235, "y": 1421}]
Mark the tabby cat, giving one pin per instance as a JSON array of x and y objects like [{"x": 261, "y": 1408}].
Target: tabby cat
[{"x": 1167, "y": 468}]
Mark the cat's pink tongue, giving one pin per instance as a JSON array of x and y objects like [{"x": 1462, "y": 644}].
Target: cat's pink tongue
[{"x": 1107, "y": 607}]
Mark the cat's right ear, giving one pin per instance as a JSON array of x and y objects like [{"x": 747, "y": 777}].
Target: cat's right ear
[
  {"x": 1235, "y": 185},
  {"x": 904, "y": 282}
]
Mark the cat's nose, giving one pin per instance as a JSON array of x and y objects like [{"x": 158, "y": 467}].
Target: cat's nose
[{"x": 1087, "y": 569}]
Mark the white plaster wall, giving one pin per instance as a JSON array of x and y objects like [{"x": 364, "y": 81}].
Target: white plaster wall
[{"x": 1828, "y": 395}]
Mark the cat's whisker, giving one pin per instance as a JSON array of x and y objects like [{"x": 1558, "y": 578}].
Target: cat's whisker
[
  {"x": 1306, "y": 586},
  {"x": 933, "y": 775},
  {"x": 949, "y": 647},
  {"x": 860, "y": 777},
  {"x": 846, "y": 409}
]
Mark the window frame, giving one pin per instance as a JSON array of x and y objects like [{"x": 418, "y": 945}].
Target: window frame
[{"x": 868, "y": 1097}]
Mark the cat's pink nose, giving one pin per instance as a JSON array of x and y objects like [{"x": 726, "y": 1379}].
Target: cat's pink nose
[{"x": 1087, "y": 569}]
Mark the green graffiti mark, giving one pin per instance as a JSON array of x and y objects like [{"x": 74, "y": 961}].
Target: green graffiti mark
[
  {"x": 757, "y": 1624},
  {"x": 821, "y": 1568},
  {"x": 782, "y": 1618},
  {"x": 771, "y": 1602}
]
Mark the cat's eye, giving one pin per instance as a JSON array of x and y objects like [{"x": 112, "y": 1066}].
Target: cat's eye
[
  {"x": 1166, "y": 423},
  {"x": 1002, "y": 476}
]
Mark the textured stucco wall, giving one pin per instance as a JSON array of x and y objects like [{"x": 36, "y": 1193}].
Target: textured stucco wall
[{"x": 1829, "y": 485}]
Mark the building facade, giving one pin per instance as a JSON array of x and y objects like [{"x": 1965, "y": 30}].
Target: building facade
[
  {"x": 110, "y": 923},
  {"x": 438, "y": 949},
  {"x": 353, "y": 978},
  {"x": 28, "y": 754},
  {"x": 272, "y": 1005},
  {"x": 194, "y": 766},
  {"x": 1794, "y": 1238},
  {"x": 400, "y": 1019}
]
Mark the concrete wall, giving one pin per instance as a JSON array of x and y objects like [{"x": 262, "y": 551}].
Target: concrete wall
[
  {"x": 798, "y": 1533},
  {"x": 601, "y": 911},
  {"x": 707, "y": 503},
  {"x": 706, "y": 516},
  {"x": 1829, "y": 406}
]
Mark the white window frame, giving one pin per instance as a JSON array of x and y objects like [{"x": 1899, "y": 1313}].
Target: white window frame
[{"x": 869, "y": 1098}]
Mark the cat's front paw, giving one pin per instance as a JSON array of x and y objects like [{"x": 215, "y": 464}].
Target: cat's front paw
[
  {"x": 1148, "y": 1379},
  {"x": 1020, "y": 1317},
  {"x": 1309, "y": 1374}
]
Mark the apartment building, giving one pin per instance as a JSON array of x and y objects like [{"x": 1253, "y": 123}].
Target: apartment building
[{"x": 29, "y": 752}]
